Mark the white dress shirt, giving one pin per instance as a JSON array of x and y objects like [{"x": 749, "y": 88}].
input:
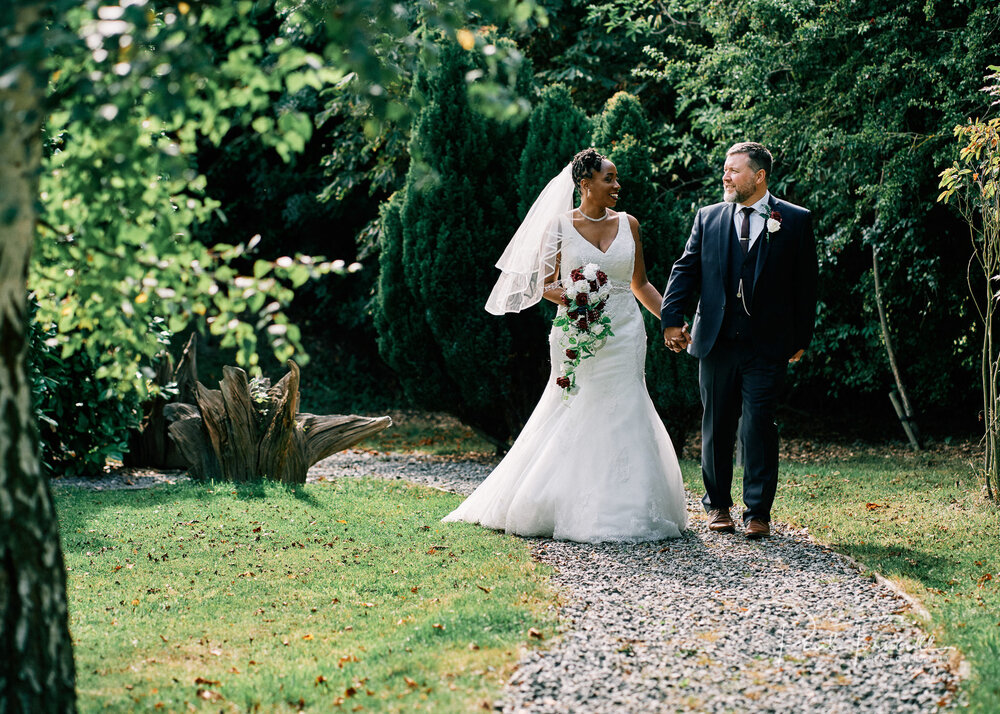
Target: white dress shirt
[{"x": 756, "y": 219}]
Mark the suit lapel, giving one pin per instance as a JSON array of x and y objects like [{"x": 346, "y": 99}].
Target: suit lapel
[
  {"x": 764, "y": 244},
  {"x": 724, "y": 232}
]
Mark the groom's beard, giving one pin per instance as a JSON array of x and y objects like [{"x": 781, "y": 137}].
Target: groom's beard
[{"x": 736, "y": 195}]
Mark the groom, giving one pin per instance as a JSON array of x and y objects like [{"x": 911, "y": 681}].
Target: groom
[{"x": 752, "y": 261}]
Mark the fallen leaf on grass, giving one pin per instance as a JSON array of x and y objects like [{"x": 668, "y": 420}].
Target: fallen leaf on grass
[
  {"x": 210, "y": 682},
  {"x": 536, "y": 634},
  {"x": 485, "y": 590},
  {"x": 320, "y": 680},
  {"x": 307, "y": 637},
  {"x": 209, "y": 696},
  {"x": 437, "y": 626},
  {"x": 409, "y": 682}
]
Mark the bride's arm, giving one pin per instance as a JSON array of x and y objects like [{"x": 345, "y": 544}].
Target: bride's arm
[
  {"x": 554, "y": 294},
  {"x": 644, "y": 290}
]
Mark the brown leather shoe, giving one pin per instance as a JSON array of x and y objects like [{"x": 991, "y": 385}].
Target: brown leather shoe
[
  {"x": 719, "y": 521},
  {"x": 758, "y": 528}
]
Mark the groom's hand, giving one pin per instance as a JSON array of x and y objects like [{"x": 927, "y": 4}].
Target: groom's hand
[
  {"x": 677, "y": 338},
  {"x": 796, "y": 357}
]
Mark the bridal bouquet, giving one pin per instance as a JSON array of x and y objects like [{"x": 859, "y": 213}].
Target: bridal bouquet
[{"x": 585, "y": 327}]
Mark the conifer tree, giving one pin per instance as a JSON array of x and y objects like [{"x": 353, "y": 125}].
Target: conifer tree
[
  {"x": 623, "y": 133},
  {"x": 557, "y": 129},
  {"x": 456, "y": 214}
]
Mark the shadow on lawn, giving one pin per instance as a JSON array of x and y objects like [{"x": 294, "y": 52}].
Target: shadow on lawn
[
  {"x": 898, "y": 561},
  {"x": 79, "y": 509}
]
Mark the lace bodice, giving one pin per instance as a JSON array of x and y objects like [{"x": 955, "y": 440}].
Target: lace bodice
[{"x": 617, "y": 262}]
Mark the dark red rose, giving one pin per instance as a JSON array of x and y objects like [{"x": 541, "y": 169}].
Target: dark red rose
[
  {"x": 582, "y": 325},
  {"x": 776, "y": 215},
  {"x": 581, "y": 299},
  {"x": 563, "y": 382},
  {"x": 602, "y": 277},
  {"x": 577, "y": 275},
  {"x": 593, "y": 286},
  {"x": 565, "y": 300},
  {"x": 571, "y": 354}
]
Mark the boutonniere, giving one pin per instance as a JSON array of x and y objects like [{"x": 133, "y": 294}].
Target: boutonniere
[{"x": 772, "y": 218}]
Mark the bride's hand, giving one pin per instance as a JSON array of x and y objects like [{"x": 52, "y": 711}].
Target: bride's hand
[{"x": 677, "y": 338}]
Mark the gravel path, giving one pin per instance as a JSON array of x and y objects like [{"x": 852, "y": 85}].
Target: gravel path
[{"x": 706, "y": 622}]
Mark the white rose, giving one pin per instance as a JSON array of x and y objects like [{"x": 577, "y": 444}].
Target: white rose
[
  {"x": 571, "y": 291},
  {"x": 595, "y": 297},
  {"x": 773, "y": 225},
  {"x": 590, "y": 271},
  {"x": 604, "y": 290},
  {"x": 581, "y": 286}
]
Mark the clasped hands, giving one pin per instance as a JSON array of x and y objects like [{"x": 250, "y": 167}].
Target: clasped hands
[{"x": 677, "y": 338}]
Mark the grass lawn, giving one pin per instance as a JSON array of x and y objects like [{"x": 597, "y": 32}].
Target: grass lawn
[
  {"x": 918, "y": 520},
  {"x": 346, "y": 596}
]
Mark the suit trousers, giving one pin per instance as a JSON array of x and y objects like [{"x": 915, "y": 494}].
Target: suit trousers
[{"x": 735, "y": 380}]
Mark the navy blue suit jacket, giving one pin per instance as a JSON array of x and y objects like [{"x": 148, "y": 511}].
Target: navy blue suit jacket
[{"x": 783, "y": 307}]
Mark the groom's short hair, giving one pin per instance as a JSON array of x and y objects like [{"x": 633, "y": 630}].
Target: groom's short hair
[{"x": 760, "y": 157}]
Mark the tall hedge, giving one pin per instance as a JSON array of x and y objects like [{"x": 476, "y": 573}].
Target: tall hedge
[
  {"x": 441, "y": 238},
  {"x": 622, "y": 132},
  {"x": 557, "y": 129}
]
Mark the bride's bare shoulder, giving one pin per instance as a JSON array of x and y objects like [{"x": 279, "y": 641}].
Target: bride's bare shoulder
[{"x": 633, "y": 223}]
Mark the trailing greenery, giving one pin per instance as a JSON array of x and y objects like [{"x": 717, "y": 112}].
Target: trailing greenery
[
  {"x": 913, "y": 519},
  {"x": 259, "y": 598}
]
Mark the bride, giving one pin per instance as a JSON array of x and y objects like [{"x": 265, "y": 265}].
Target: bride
[{"x": 594, "y": 462}]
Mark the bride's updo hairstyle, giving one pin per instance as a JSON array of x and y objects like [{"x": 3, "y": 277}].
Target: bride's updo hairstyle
[{"x": 585, "y": 164}]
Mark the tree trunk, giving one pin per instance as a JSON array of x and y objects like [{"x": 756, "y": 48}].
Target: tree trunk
[
  {"x": 36, "y": 668},
  {"x": 907, "y": 418}
]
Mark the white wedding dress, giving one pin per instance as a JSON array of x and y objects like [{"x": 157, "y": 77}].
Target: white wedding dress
[{"x": 598, "y": 466}]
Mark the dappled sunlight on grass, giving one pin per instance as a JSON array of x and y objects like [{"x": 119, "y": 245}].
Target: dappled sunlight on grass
[{"x": 349, "y": 591}]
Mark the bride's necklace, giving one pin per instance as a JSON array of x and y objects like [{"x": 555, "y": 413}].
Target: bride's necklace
[{"x": 594, "y": 220}]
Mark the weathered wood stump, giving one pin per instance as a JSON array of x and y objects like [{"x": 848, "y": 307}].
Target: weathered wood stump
[
  {"x": 246, "y": 431},
  {"x": 150, "y": 445}
]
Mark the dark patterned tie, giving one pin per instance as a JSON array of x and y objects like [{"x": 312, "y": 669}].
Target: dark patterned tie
[{"x": 745, "y": 230}]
